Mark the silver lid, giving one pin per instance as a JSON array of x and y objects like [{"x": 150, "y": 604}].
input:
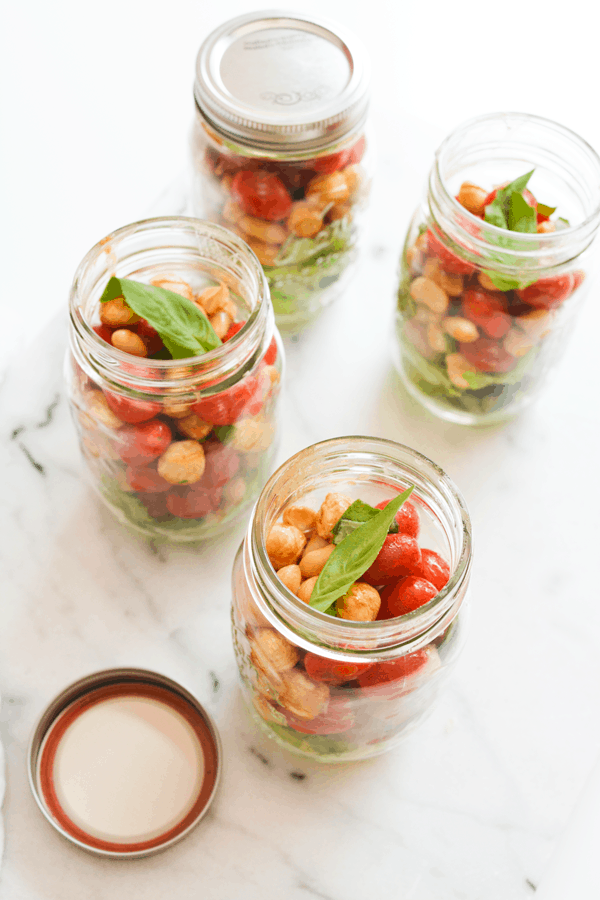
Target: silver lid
[
  {"x": 74, "y": 701},
  {"x": 279, "y": 78}
]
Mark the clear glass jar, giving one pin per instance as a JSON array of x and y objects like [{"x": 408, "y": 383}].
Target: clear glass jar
[
  {"x": 360, "y": 717},
  {"x": 518, "y": 292},
  {"x": 280, "y": 154},
  {"x": 121, "y": 403}
]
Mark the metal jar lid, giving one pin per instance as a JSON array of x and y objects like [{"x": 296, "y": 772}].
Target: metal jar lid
[
  {"x": 62, "y": 789},
  {"x": 282, "y": 80}
]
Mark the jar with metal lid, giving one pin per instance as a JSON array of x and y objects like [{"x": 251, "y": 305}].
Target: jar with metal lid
[
  {"x": 495, "y": 265},
  {"x": 279, "y": 151},
  {"x": 176, "y": 447},
  {"x": 336, "y": 687}
]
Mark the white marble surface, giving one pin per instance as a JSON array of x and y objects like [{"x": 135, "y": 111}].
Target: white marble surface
[{"x": 471, "y": 807}]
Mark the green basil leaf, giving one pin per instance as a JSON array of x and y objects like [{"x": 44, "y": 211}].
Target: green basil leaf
[
  {"x": 184, "y": 329},
  {"x": 494, "y": 213},
  {"x": 354, "y": 555},
  {"x": 504, "y": 283},
  {"x": 518, "y": 185},
  {"x": 545, "y": 210},
  {"x": 357, "y": 513},
  {"x": 521, "y": 216},
  {"x": 562, "y": 223}
]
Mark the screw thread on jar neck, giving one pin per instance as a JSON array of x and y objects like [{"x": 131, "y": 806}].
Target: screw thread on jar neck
[
  {"x": 156, "y": 247},
  {"x": 367, "y": 460},
  {"x": 503, "y": 146}
]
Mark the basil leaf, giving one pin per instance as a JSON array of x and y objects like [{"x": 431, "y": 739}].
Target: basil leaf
[
  {"x": 504, "y": 283},
  {"x": 562, "y": 223},
  {"x": 498, "y": 212},
  {"x": 494, "y": 213},
  {"x": 184, "y": 329},
  {"x": 354, "y": 555},
  {"x": 357, "y": 513},
  {"x": 521, "y": 216},
  {"x": 545, "y": 210}
]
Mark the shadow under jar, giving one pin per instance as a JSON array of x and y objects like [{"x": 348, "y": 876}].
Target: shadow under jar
[
  {"x": 218, "y": 409},
  {"x": 279, "y": 151},
  {"x": 484, "y": 312},
  {"x": 327, "y": 687}
]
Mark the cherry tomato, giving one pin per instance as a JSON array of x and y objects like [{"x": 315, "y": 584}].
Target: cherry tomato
[
  {"x": 325, "y": 165},
  {"x": 449, "y": 261},
  {"x": 409, "y": 594},
  {"x": 399, "y": 554},
  {"x": 487, "y": 355},
  {"x": 433, "y": 568},
  {"x": 146, "y": 479},
  {"x": 233, "y": 330},
  {"x": 332, "y": 671},
  {"x": 394, "y": 670},
  {"x": 407, "y": 518},
  {"x": 191, "y": 503},
  {"x": 487, "y": 311},
  {"x": 150, "y": 337},
  {"x": 261, "y": 194},
  {"x": 131, "y": 411},
  {"x": 337, "y": 718},
  {"x": 221, "y": 464},
  {"x": 548, "y": 293},
  {"x": 156, "y": 504},
  {"x": 139, "y": 444},
  {"x": 103, "y": 331},
  {"x": 227, "y": 407},
  {"x": 271, "y": 354}
]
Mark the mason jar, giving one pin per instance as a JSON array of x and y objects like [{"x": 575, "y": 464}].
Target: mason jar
[
  {"x": 484, "y": 312},
  {"x": 387, "y": 673},
  {"x": 280, "y": 154},
  {"x": 176, "y": 448}
]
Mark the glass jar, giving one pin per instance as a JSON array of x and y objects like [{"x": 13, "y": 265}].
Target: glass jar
[
  {"x": 392, "y": 669},
  {"x": 129, "y": 410},
  {"x": 279, "y": 151},
  {"x": 484, "y": 313}
]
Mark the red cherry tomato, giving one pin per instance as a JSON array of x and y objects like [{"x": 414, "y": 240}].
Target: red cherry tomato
[
  {"x": 399, "y": 554},
  {"x": 221, "y": 464},
  {"x": 261, "y": 194},
  {"x": 191, "y": 503},
  {"x": 139, "y": 444},
  {"x": 332, "y": 671},
  {"x": 433, "y": 568},
  {"x": 103, "y": 331},
  {"x": 271, "y": 354},
  {"x": 394, "y": 670},
  {"x": 337, "y": 718},
  {"x": 487, "y": 311},
  {"x": 486, "y": 355},
  {"x": 227, "y": 407},
  {"x": 407, "y": 518},
  {"x": 548, "y": 293},
  {"x": 146, "y": 479},
  {"x": 325, "y": 165},
  {"x": 233, "y": 330},
  {"x": 409, "y": 594},
  {"x": 156, "y": 504},
  {"x": 131, "y": 411},
  {"x": 150, "y": 337},
  {"x": 384, "y": 593},
  {"x": 449, "y": 261}
]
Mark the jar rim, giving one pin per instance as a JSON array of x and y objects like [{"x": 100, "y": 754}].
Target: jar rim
[
  {"x": 217, "y": 362},
  {"x": 386, "y": 633},
  {"x": 528, "y": 244},
  {"x": 284, "y": 126}
]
